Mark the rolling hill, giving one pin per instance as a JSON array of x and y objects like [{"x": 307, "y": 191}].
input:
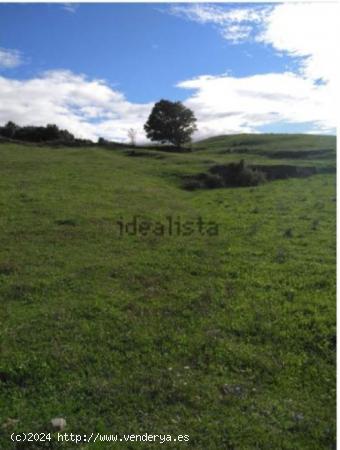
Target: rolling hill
[{"x": 119, "y": 325}]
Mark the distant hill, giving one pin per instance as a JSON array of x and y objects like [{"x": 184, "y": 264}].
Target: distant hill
[{"x": 279, "y": 145}]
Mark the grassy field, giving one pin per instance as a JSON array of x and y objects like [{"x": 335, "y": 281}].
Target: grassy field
[{"x": 227, "y": 338}]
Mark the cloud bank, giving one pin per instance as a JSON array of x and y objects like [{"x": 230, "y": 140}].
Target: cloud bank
[
  {"x": 225, "y": 104},
  {"x": 222, "y": 104},
  {"x": 87, "y": 108},
  {"x": 309, "y": 32}
]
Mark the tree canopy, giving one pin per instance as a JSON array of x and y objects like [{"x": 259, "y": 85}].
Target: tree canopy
[
  {"x": 170, "y": 122},
  {"x": 35, "y": 133}
]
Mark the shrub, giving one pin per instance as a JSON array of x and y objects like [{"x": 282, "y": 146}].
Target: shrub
[
  {"x": 238, "y": 174},
  {"x": 212, "y": 181},
  {"x": 228, "y": 175},
  {"x": 251, "y": 177}
]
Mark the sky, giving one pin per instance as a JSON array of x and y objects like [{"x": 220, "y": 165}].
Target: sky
[{"x": 97, "y": 69}]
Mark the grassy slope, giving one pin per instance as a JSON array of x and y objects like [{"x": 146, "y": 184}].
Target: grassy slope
[
  {"x": 140, "y": 334},
  {"x": 269, "y": 142}
]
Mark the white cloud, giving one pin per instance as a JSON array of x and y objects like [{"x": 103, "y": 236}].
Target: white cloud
[
  {"x": 307, "y": 31},
  {"x": 87, "y": 108},
  {"x": 70, "y": 7},
  {"x": 203, "y": 13},
  {"x": 235, "y": 24},
  {"x": 9, "y": 58},
  {"x": 225, "y": 104}
]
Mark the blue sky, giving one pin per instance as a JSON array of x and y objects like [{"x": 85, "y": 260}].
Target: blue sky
[{"x": 232, "y": 64}]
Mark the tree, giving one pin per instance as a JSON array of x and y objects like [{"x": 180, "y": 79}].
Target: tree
[
  {"x": 170, "y": 122},
  {"x": 132, "y": 134},
  {"x": 35, "y": 133},
  {"x": 52, "y": 132},
  {"x": 9, "y": 130}
]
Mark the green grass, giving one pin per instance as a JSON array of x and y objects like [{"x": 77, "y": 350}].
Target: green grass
[
  {"x": 269, "y": 142},
  {"x": 135, "y": 334}
]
